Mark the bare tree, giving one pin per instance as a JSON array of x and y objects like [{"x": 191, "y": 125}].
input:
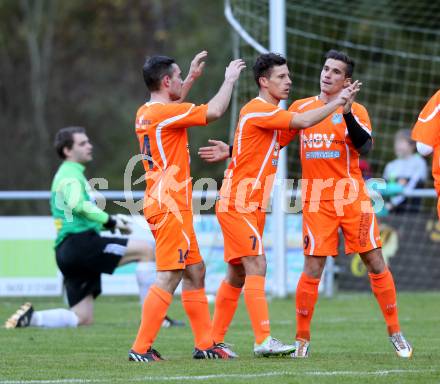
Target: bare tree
[{"x": 39, "y": 25}]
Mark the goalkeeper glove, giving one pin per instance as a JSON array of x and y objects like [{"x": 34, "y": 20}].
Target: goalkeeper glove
[{"x": 120, "y": 222}]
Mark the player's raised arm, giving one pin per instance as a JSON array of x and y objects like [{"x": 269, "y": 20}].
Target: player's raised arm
[
  {"x": 312, "y": 117},
  {"x": 219, "y": 103},
  {"x": 195, "y": 71}
]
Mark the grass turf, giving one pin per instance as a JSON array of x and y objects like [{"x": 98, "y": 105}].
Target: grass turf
[{"x": 349, "y": 344}]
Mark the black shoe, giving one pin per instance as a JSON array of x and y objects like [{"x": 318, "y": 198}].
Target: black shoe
[
  {"x": 168, "y": 323},
  {"x": 214, "y": 352},
  {"x": 21, "y": 318},
  {"x": 148, "y": 357}
]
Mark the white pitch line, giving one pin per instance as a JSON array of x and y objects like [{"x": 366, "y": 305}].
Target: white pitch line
[
  {"x": 51, "y": 381},
  {"x": 228, "y": 376},
  {"x": 286, "y": 373}
]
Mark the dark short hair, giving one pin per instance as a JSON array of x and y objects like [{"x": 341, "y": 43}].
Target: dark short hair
[
  {"x": 341, "y": 56},
  {"x": 154, "y": 70},
  {"x": 264, "y": 64},
  {"x": 64, "y": 139}
]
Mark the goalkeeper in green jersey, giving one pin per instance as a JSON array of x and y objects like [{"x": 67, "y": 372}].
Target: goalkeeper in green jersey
[{"x": 82, "y": 254}]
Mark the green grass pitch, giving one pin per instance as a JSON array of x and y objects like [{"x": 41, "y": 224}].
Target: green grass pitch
[{"x": 349, "y": 345}]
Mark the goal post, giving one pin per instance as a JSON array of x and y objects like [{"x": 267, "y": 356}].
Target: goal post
[{"x": 277, "y": 43}]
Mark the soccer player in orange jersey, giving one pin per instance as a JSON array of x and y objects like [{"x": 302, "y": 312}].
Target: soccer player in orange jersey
[
  {"x": 244, "y": 193},
  {"x": 161, "y": 125},
  {"x": 426, "y": 132},
  {"x": 334, "y": 197}
]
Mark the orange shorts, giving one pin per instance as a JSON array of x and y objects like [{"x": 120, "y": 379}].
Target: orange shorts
[
  {"x": 320, "y": 227},
  {"x": 242, "y": 233},
  {"x": 176, "y": 242}
]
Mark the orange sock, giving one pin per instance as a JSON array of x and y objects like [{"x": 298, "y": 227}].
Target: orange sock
[
  {"x": 256, "y": 304},
  {"x": 226, "y": 303},
  {"x": 196, "y": 307},
  {"x": 382, "y": 285},
  {"x": 153, "y": 312},
  {"x": 306, "y": 297}
]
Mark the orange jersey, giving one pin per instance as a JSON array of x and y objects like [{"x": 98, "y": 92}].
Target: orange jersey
[
  {"x": 161, "y": 131},
  {"x": 329, "y": 160},
  {"x": 249, "y": 178},
  {"x": 427, "y": 131}
]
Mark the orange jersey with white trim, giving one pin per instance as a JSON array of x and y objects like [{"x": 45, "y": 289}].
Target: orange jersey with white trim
[
  {"x": 163, "y": 140},
  {"x": 327, "y": 154},
  {"x": 427, "y": 131},
  {"x": 249, "y": 178}
]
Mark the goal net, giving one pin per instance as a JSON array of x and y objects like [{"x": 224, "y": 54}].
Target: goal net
[{"x": 396, "y": 47}]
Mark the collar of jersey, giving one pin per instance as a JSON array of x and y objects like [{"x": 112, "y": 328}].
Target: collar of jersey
[
  {"x": 261, "y": 99},
  {"x": 149, "y": 103},
  {"x": 75, "y": 165}
]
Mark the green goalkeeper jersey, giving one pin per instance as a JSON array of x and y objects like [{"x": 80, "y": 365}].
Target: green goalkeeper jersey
[{"x": 71, "y": 203}]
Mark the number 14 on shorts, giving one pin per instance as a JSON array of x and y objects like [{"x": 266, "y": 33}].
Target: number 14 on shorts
[
  {"x": 183, "y": 255},
  {"x": 254, "y": 242}
]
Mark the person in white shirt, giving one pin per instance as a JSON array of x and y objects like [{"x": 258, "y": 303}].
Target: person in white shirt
[{"x": 408, "y": 170}]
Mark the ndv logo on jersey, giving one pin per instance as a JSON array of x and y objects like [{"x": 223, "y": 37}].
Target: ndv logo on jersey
[
  {"x": 337, "y": 118},
  {"x": 318, "y": 140}
]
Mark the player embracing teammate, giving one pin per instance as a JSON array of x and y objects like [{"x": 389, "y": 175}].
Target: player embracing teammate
[{"x": 241, "y": 209}]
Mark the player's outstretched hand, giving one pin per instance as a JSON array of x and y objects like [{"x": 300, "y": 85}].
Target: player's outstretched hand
[
  {"x": 197, "y": 65},
  {"x": 234, "y": 69},
  {"x": 217, "y": 151},
  {"x": 124, "y": 223},
  {"x": 348, "y": 94}
]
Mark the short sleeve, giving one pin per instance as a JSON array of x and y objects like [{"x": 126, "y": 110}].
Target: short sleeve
[
  {"x": 277, "y": 119},
  {"x": 184, "y": 115},
  {"x": 427, "y": 128}
]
